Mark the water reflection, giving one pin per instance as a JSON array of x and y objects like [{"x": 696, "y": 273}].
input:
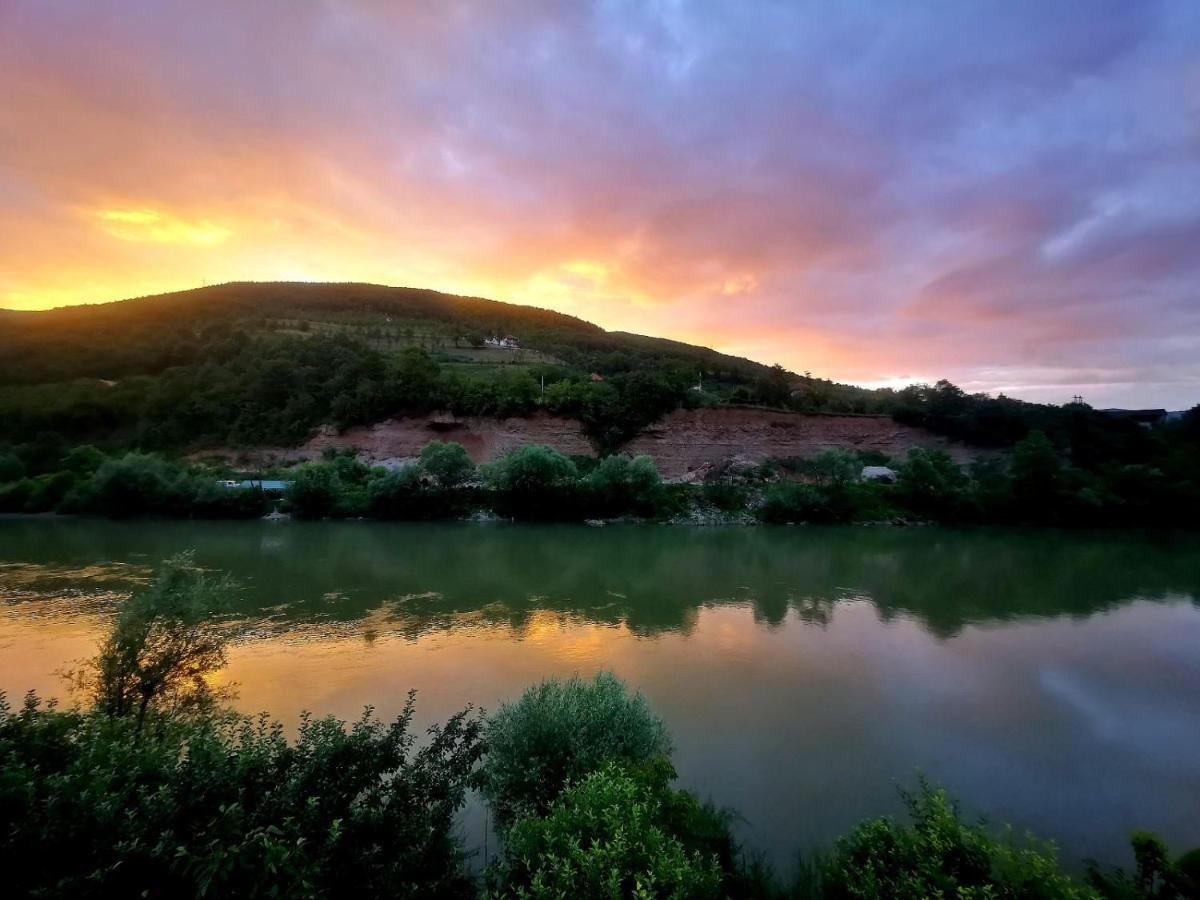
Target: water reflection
[
  {"x": 413, "y": 579},
  {"x": 1049, "y": 679}
]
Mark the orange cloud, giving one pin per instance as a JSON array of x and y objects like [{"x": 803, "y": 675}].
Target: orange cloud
[{"x": 151, "y": 226}]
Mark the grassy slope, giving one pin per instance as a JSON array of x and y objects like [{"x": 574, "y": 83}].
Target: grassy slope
[{"x": 102, "y": 340}]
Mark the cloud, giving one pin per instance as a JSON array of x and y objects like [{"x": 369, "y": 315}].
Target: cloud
[{"x": 1003, "y": 193}]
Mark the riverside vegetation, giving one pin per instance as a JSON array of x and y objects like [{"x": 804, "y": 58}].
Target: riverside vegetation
[
  {"x": 1035, "y": 483},
  {"x": 152, "y": 787},
  {"x": 248, "y": 365}
]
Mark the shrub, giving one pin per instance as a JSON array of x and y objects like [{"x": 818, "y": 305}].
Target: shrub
[
  {"x": 162, "y": 647},
  {"x": 230, "y": 808},
  {"x": 559, "y": 732},
  {"x": 603, "y": 838},
  {"x": 930, "y": 482},
  {"x": 11, "y": 467},
  {"x": 940, "y": 856},
  {"x": 535, "y": 482},
  {"x": 790, "y": 502},
  {"x": 1157, "y": 876},
  {"x": 215, "y": 501},
  {"x": 619, "y": 484},
  {"x": 133, "y": 485},
  {"x": 391, "y": 495},
  {"x": 447, "y": 462},
  {"x": 314, "y": 491}
]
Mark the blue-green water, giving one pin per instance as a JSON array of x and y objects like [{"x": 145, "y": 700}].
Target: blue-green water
[{"x": 1048, "y": 679}]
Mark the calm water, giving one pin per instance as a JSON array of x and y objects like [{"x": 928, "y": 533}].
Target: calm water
[{"x": 1051, "y": 680}]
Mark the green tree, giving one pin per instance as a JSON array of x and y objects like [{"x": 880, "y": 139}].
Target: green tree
[
  {"x": 559, "y": 732},
  {"x": 939, "y": 855},
  {"x": 314, "y": 491},
  {"x": 447, "y": 462},
  {"x": 931, "y": 482},
  {"x": 162, "y": 648},
  {"x": 1037, "y": 470},
  {"x": 620, "y": 484},
  {"x": 11, "y": 467},
  {"x": 603, "y": 838},
  {"x": 535, "y": 481}
]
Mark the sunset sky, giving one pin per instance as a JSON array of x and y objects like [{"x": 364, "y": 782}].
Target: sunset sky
[{"x": 1005, "y": 194}]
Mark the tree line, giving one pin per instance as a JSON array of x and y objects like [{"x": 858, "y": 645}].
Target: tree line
[{"x": 1035, "y": 483}]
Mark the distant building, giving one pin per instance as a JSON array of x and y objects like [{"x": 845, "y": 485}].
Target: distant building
[
  {"x": 596, "y": 376},
  {"x": 508, "y": 342},
  {"x": 1145, "y": 417},
  {"x": 267, "y": 486},
  {"x": 882, "y": 474}
]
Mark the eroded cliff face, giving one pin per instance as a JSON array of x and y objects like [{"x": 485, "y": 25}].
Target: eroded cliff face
[
  {"x": 485, "y": 439},
  {"x": 689, "y": 440},
  {"x": 683, "y": 445}
]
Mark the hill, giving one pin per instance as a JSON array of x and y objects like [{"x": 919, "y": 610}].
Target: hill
[
  {"x": 250, "y": 363},
  {"x": 258, "y": 365}
]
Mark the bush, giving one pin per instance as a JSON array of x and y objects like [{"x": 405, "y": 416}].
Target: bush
[
  {"x": 11, "y": 467},
  {"x": 790, "y": 502},
  {"x": 940, "y": 856},
  {"x": 931, "y": 483},
  {"x": 535, "y": 482},
  {"x": 559, "y": 732},
  {"x": 619, "y": 484},
  {"x": 230, "y": 808},
  {"x": 314, "y": 491},
  {"x": 135, "y": 484},
  {"x": 1157, "y": 876},
  {"x": 16, "y": 494},
  {"x": 448, "y": 463},
  {"x": 392, "y": 495},
  {"x": 215, "y": 501},
  {"x": 604, "y": 838},
  {"x": 162, "y": 647}
]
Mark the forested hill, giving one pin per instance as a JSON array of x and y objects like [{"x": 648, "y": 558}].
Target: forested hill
[
  {"x": 265, "y": 364},
  {"x": 250, "y": 363},
  {"x": 109, "y": 340}
]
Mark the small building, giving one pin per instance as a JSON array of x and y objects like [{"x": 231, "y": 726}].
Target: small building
[
  {"x": 1144, "y": 417},
  {"x": 596, "y": 376},
  {"x": 267, "y": 486},
  {"x": 882, "y": 474},
  {"x": 508, "y": 342}
]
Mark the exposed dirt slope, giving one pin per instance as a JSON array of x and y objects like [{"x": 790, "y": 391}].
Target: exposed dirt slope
[{"x": 687, "y": 441}]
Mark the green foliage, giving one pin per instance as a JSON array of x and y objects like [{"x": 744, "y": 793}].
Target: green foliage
[
  {"x": 229, "y": 808},
  {"x": 1156, "y": 876},
  {"x": 337, "y": 486},
  {"x": 559, "y": 732},
  {"x": 939, "y": 855},
  {"x": 931, "y": 483},
  {"x": 604, "y": 838},
  {"x": 11, "y": 467},
  {"x": 135, "y": 484},
  {"x": 313, "y": 493},
  {"x": 619, "y": 484},
  {"x": 1037, "y": 470},
  {"x": 162, "y": 647},
  {"x": 535, "y": 482},
  {"x": 448, "y": 463},
  {"x": 790, "y": 502}
]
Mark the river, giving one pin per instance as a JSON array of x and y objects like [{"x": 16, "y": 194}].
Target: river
[{"x": 1048, "y": 679}]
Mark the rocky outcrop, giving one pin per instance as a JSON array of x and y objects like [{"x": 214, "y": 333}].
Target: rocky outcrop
[
  {"x": 683, "y": 445},
  {"x": 691, "y": 440},
  {"x": 484, "y": 438}
]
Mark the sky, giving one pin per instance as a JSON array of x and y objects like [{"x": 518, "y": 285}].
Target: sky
[{"x": 1005, "y": 194}]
